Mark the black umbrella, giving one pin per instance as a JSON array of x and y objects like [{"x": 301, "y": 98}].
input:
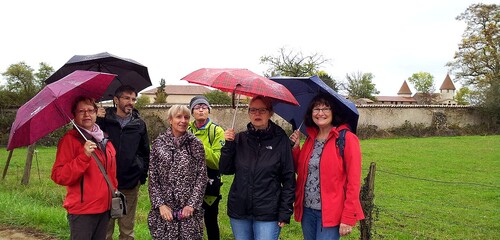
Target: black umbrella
[{"x": 128, "y": 71}]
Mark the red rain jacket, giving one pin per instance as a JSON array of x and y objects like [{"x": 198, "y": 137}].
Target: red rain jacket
[
  {"x": 87, "y": 190},
  {"x": 339, "y": 189}
]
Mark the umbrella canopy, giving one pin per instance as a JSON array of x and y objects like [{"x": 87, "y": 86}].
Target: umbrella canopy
[
  {"x": 304, "y": 89},
  {"x": 128, "y": 71},
  {"x": 50, "y": 109},
  {"x": 241, "y": 81}
]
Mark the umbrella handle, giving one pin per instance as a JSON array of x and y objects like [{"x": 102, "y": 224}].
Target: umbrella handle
[
  {"x": 235, "y": 111},
  {"x": 78, "y": 129},
  {"x": 235, "y": 106}
]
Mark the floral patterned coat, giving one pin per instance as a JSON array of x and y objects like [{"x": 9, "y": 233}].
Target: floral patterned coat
[{"x": 177, "y": 178}]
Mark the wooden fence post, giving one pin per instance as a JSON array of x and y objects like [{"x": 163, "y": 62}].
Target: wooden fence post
[
  {"x": 7, "y": 164},
  {"x": 366, "y": 197},
  {"x": 27, "y": 167}
]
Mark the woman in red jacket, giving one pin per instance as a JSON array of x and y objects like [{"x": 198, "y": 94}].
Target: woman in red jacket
[
  {"x": 88, "y": 197},
  {"x": 327, "y": 193}
]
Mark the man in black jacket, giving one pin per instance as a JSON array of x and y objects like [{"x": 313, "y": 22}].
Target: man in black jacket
[{"x": 128, "y": 133}]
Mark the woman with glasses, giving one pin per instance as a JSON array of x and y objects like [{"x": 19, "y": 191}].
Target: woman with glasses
[
  {"x": 327, "y": 195},
  {"x": 88, "y": 197},
  {"x": 261, "y": 197}
]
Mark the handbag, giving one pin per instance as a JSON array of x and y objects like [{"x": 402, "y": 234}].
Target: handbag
[
  {"x": 118, "y": 199},
  {"x": 118, "y": 205}
]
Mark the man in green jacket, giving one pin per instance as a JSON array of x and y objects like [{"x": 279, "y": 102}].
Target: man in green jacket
[{"x": 212, "y": 136}]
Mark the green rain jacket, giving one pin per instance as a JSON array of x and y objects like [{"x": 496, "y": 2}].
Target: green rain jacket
[{"x": 212, "y": 137}]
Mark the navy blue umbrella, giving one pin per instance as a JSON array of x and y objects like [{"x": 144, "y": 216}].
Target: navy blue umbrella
[{"x": 304, "y": 89}]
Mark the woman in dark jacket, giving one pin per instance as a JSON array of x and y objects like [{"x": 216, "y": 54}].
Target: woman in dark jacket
[{"x": 261, "y": 198}]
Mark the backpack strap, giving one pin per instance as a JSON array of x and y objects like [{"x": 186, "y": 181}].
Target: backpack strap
[
  {"x": 341, "y": 142},
  {"x": 211, "y": 138}
]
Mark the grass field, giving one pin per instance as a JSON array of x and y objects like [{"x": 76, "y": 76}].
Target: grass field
[{"x": 425, "y": 188}]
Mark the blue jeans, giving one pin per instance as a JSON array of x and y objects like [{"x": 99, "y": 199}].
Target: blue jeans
[
  {"x": 245, "y": 229},
  {"x": 312, "y": 228}
]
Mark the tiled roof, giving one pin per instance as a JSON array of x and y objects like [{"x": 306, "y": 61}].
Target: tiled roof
[
  {"x": 181, "y": 90},
  {"x": 395, "y": 99},
  {"x": 404, "y": 89},
  {"x": 447, "y": 84}
]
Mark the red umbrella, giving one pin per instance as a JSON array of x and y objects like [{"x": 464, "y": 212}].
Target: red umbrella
[
  {"x": 50, "y": 109},
  {"x": 241, "y": 81}
]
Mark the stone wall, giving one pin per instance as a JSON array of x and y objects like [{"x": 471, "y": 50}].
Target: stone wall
[{"x": 382, "y": 116}]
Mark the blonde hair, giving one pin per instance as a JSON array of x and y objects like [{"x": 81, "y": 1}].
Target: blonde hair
[{"x": 175, "y": 109}]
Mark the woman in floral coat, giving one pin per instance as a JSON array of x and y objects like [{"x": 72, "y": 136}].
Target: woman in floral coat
[{"x": 177, "y": 181}]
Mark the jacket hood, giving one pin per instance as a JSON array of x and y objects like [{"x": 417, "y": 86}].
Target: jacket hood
[{"x": 273, "y": 130}]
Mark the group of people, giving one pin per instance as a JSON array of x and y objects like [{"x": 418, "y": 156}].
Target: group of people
[{"x": 274, "y": 177}]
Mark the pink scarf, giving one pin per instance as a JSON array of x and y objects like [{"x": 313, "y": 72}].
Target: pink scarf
[{"x": 96, "y": 132}]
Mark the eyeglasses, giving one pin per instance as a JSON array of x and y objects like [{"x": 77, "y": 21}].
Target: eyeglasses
[
  {"x": 83, "y": 112},
  {"x": 127, "y": 98},
  {"x": 201, "y": 106},
  {"x": 324, "y": 110},
  {"x": 259, "y": 110}
]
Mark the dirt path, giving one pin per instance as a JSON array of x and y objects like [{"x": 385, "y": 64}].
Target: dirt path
[{"x": 11, "y": 233}]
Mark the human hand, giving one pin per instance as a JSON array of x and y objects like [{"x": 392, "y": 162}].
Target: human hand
[
  {"x": 89, "y": 147},
  {"x": 295, "y": 138},
  {"x": 345, "y": 229},
  {"x": 281, "y": 224},
  {"x": 229, "y": 134},
  {"x": 166, "y": 213},
  {"x": 101, "y": 112},
  {"x": 187, "y": 211}
]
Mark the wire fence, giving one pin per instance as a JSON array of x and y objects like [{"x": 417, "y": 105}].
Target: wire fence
[{"x": 453, "y": 207}]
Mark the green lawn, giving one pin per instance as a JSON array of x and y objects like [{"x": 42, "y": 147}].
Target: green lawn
[{"x": 425, "y": 188}]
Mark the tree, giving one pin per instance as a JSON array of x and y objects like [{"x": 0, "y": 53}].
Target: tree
[
  {"x": 293, "y": 64},
  {"x": 218, "y": 97},
  {"x": 142, "y": 101},
  {"x": 360, "y": 85},
  {"x": 424, "y": 84},
  {"x": 464, "y": 96},
  {"x": 477, "y": 62},
  {"x": 328, "y": 80},
  {"x": 44, "y": 71},
  {"x": 20, "y": 80},
  {"x": 161, "y": 95}
]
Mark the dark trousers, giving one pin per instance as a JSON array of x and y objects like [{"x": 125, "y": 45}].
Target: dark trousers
[
  {"x": 211, "y": 220},
  {"x": 88, "y": 226}
]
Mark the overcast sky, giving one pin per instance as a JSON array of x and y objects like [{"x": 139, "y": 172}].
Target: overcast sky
[{"x": 391, "y": 39}]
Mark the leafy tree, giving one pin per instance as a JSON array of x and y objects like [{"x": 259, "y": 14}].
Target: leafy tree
[
  {"x": 293, "y": 64},
  {"x": 218, "y": 97},
  {"x": 44, "y": 71},
  {"x": 24, "y": 82},
  {"x": 328, "y": 80},
  {"x": 161, "y": 95},
  {"x": 21, "y": 81},
  {"x": 142, "y": 101},
  {"x": 477, "y": 61},
  {"x": 465, "y": 96},
  {"x": 360, "y": 85},
  {"x": 424, "y": 84}
]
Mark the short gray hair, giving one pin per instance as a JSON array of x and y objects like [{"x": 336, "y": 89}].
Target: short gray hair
[{"x": 175, "y": 109}]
